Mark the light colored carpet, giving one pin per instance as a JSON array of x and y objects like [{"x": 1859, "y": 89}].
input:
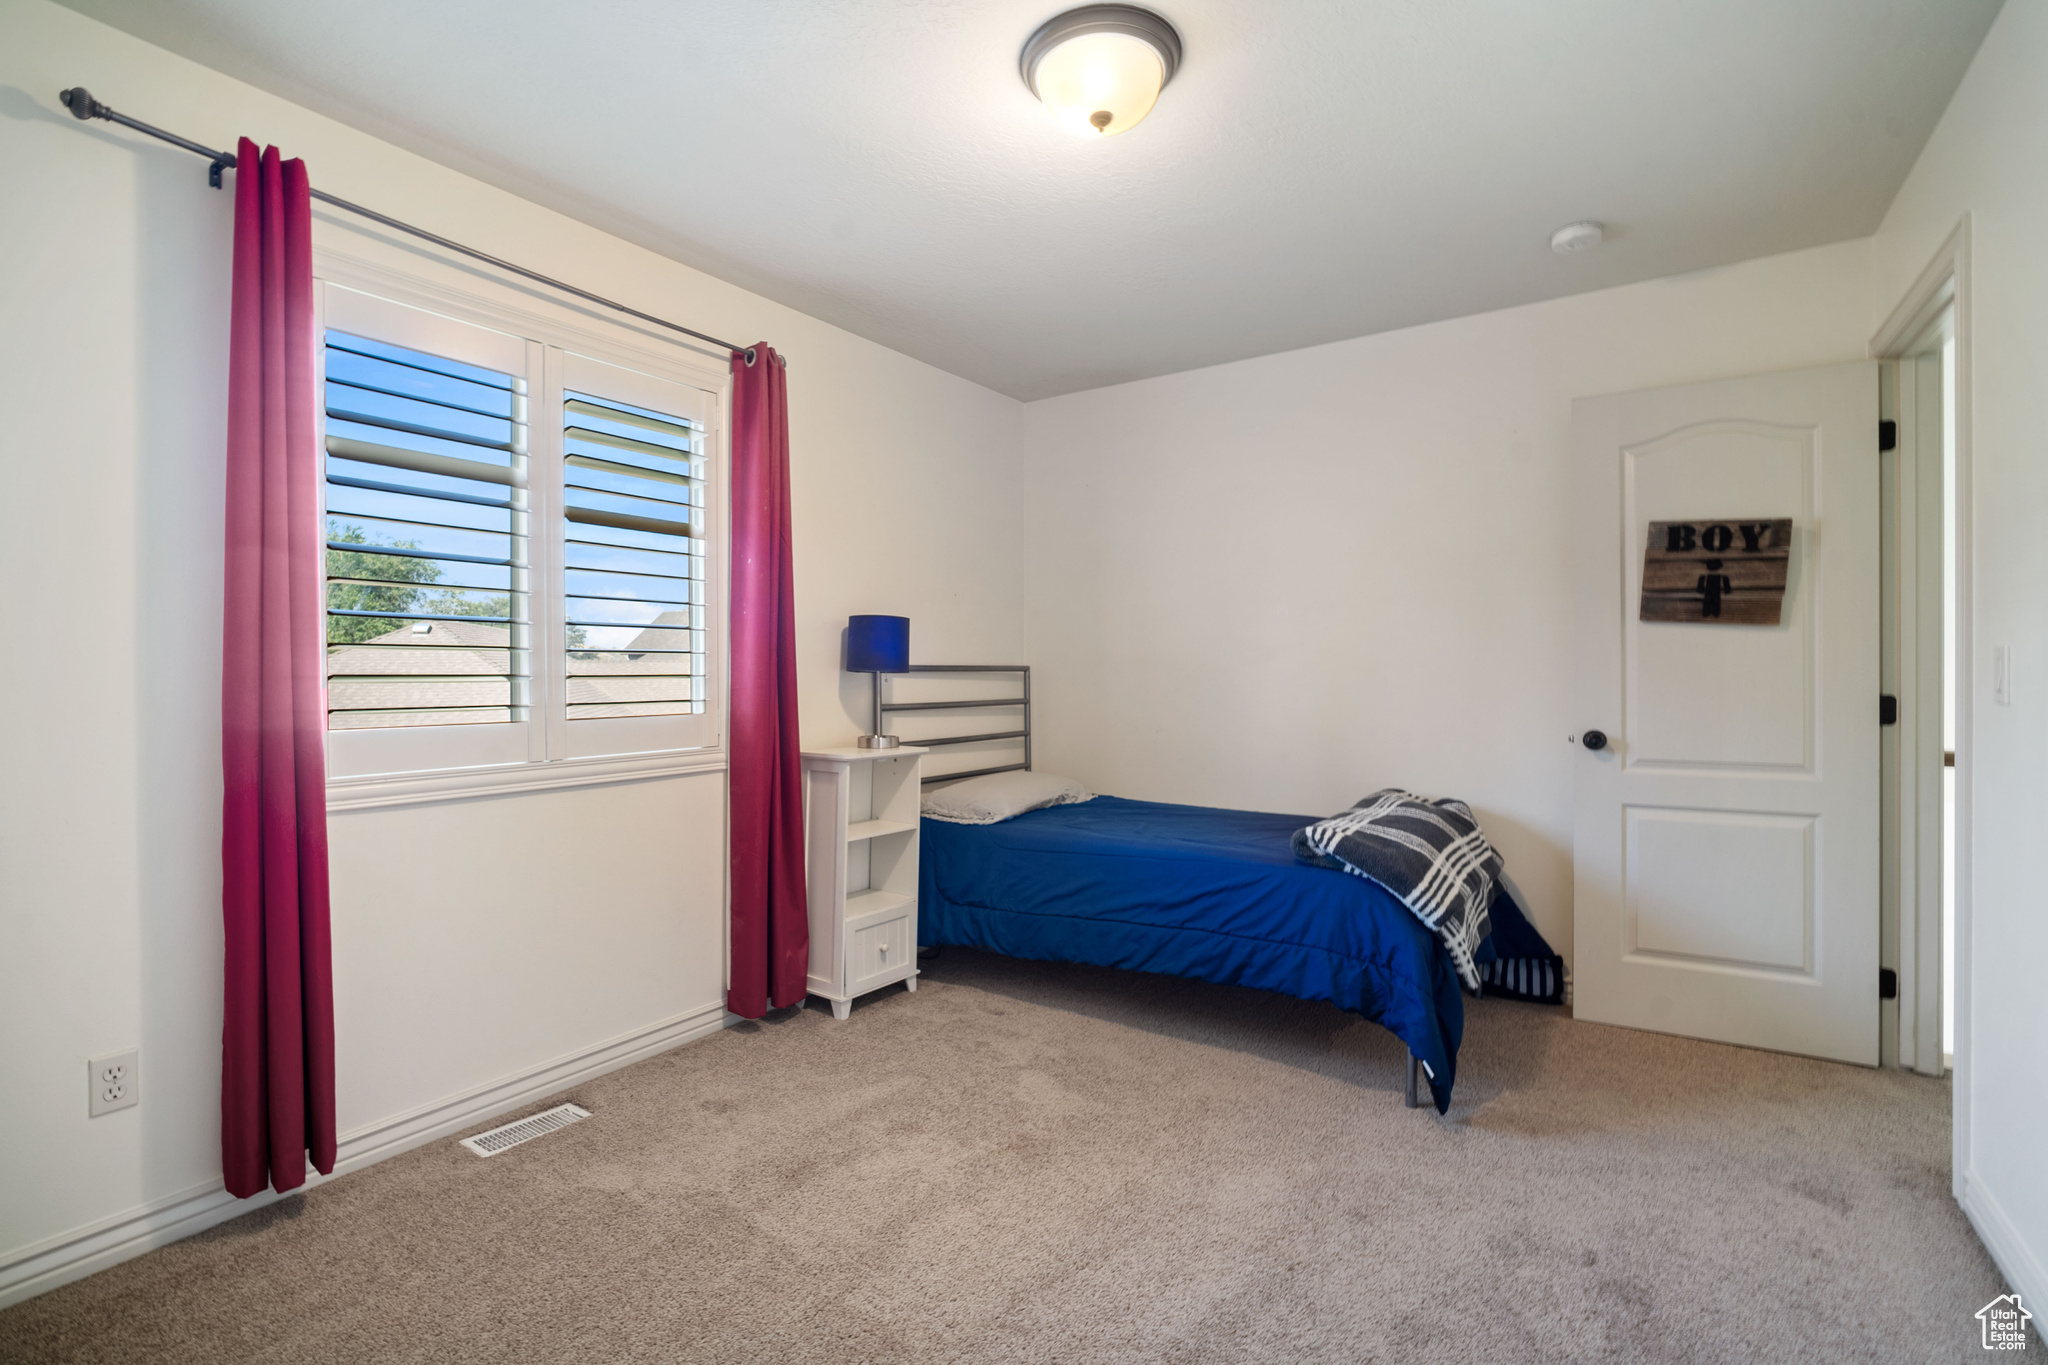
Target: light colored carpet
[{"x": 1026, "y": 1162}]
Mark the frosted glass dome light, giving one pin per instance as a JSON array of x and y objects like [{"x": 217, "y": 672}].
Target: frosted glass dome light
[{"x": 1100, "y": 68}]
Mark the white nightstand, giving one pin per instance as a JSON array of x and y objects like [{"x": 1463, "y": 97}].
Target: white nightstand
[{"x": 861, "y": 808}]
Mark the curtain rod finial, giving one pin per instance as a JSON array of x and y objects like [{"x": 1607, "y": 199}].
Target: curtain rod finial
[{"x": 82, "y": 105}]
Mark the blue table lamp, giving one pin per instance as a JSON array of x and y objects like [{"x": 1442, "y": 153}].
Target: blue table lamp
[{"x": 878, "y": 645}]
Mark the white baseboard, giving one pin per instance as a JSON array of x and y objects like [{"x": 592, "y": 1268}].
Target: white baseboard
[
  {"x": 388, "y": 1137},
  {"x": 2022, "y": 1268},
  {"x": 44, "y": 1265},
  {"x": 74, "y": 1255}
]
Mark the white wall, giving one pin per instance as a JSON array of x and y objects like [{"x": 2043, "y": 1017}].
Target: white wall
[
  {"x": 1986, "y": 158},
  {"x": 1286, "y": 582},
  {"x": 484, "y": 949}
]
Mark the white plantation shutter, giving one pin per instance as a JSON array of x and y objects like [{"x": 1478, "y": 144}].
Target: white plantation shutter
[
  {"x": 519, "y": 546},
  {"x": 635, "y": 529},
  {"x": 430, "y": 611},
  {"x": 427, "y": 620}
]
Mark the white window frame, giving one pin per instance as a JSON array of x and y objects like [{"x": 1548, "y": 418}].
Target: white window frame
[
  {"x": 640, "y": 734},
  {"x": 378, "y": 752},
  {"x": 405, "y": 765}
]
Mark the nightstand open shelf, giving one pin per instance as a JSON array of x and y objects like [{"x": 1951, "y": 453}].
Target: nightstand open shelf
[
  {"x": 862, "y": 906},
  {"x": 861, "y": 820},
  {"x": 875, "y": 829}
]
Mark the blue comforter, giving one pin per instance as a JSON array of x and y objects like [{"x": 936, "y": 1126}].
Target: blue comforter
[{"x": 1198, "y": 892}]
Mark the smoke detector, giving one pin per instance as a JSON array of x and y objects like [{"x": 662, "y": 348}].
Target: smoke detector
[{"x": 1573, "y": 238}]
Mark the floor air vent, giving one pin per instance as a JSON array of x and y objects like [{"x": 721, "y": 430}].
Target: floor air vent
[{"x": 525, "y": 1130}]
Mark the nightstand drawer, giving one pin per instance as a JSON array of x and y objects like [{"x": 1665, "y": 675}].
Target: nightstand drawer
[{"x": 880, "y": 949}]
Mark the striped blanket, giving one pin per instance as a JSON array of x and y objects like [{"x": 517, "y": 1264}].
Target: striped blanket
[
  {"x": 1540, "y": 979},
  {"x": 1430, "y": 854}
]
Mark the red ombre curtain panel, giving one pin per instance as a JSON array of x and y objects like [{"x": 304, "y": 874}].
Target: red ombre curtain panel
[
  {"x": 771, "y": 937},
  {"x": 277, "y": 1036}
]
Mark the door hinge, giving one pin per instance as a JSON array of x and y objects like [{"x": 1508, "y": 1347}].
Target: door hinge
[
  {"x": 1887, "y": 984},
  {"x": 1887, "y": 710},
  {"x": 1887, "y": 434}
]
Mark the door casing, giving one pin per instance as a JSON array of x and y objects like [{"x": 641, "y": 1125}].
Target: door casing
[{"x": 1941, "y": 290}]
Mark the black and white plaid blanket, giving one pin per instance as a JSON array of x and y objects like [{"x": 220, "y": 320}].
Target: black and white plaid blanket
[{"x": 1430, "y": 854}]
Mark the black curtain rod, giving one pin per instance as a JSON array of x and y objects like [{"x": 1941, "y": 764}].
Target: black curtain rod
[{"x": 83, "y": 106}]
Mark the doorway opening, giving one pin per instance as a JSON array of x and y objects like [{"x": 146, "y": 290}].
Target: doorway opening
[
  {"x": 1948, "y": 689},
  {"x": 1924, "y": 578}
]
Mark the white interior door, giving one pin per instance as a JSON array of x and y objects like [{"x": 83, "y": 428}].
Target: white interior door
[{"x": 1726, "y": 834}]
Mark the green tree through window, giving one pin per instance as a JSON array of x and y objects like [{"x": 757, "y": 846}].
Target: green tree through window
[
  {"x": 401, "y": 587},
  {"x": 391, "y": 594}
]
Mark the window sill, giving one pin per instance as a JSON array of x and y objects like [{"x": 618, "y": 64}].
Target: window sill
[{"x": 455, "y": 784}]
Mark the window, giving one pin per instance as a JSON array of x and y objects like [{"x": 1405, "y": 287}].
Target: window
[
  {"x": 502, "y": 591},
  {"x": 632, "y": 564},
  {"x": 635, "y": 530},
  {"x": 427, "y": 621}
]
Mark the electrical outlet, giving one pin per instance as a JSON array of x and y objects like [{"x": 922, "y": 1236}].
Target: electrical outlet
[{"x": 115, "y": 1082}]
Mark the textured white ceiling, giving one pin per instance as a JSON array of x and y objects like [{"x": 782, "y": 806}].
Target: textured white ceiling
[{"x": 1319, "y": 169}]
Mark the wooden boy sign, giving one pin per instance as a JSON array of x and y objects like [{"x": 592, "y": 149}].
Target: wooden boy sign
[{"x": 1728, "y": 572}]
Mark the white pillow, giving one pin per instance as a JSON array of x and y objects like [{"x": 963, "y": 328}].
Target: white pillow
[{"x": 999, "y": 796}]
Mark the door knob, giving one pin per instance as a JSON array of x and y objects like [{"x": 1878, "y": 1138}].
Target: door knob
[{"x": 1594, "y": 739}]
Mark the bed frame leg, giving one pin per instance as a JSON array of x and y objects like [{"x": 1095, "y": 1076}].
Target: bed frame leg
[{"x": 1414, "y": 1081}]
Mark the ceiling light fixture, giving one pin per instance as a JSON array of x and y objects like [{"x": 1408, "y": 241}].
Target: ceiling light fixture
[
  {"x": 1573, "y": 238},
  {"x": 1100, "y": 67}
]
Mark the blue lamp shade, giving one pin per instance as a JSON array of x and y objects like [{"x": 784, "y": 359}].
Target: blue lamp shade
[{"x": 878, "y": 644}]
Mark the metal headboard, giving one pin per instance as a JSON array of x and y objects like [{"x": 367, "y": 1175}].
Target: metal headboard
[{"x": 1023, "y": 701}]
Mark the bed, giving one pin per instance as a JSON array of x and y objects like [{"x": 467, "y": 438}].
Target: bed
[{"x": 1212, "y": 894}]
